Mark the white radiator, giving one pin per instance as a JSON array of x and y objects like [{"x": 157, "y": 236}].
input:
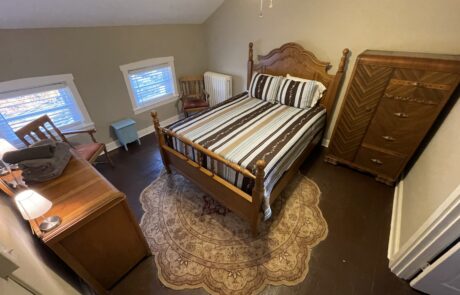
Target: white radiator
[{"x": 219, "y": 87}]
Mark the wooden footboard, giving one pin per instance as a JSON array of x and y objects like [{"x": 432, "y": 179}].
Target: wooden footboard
[{"x": 245, "y": 205}]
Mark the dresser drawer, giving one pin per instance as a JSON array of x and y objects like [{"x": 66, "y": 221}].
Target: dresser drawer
[
  {"x": 400, "y": 126},
  {"x": 423, "y": 87},
  {"x": 426, "y": 78},
  {"x": 415, "y": 94},
  {"x": 379, "y": 162}
]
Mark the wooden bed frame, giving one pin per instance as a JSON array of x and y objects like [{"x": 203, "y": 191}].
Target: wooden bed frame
[{"x": 292, "y": 59}]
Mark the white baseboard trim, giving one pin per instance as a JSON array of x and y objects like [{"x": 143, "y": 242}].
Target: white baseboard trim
[
  {"x": 143, "y": 132},
  {"x": 395, "y": 229},
  {"x": 325, "y": 142},
  {"x": 435, "y": 234}
]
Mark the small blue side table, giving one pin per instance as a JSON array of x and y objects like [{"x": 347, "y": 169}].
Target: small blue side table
[{"x": 126, "y": 132}]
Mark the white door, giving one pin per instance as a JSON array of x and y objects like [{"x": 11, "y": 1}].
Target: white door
[{"x": 443, "y": 276}]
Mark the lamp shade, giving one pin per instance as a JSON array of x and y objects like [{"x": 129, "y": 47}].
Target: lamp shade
[
  {"x": 31, "y": 204},
  {"x": 5, "y": 146}
]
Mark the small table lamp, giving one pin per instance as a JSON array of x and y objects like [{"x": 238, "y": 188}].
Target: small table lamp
[
  {"x": 33, "y": 205},
  {"x": 5, "y": 146}
]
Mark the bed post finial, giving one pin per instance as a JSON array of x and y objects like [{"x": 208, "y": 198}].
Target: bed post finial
[
  {"x": 260, "y": 175},
  {"x": 250, "y": 64},
  {"x": 343, "y": 60},
  {"x": 258, "y": 193},
  {"x": 160, "y": 139},
  {"x": 156, "y": 122}
]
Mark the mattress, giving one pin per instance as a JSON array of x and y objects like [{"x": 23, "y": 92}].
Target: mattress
[{"x": 244, "y": 130}]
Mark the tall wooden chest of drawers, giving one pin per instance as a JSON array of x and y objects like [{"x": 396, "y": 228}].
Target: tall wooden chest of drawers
[{"x": 392, "y": 100}]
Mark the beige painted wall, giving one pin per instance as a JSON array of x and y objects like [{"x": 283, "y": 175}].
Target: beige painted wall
[
  {"x": 35, "y": 269},
  {"x": 326, "y": 27},
  {"x": 93, "y": 56},
  {"x": 434, "y": 176}
]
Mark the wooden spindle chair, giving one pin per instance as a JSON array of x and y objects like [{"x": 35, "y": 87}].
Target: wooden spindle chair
[
  {"x": 43, "y": 128},
  {"x": 193, "y": 95}
]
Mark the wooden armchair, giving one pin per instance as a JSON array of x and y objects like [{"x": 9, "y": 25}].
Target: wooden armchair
[
  {"x": 193, "y": 95},
  {"x": 44, "y": 128}
]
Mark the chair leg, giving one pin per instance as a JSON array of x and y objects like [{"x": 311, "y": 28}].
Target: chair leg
[{"x": 108, "y": 157}]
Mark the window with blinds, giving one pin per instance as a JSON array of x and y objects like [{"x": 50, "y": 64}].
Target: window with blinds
[
  {"x": 150, "y": 82},
  {"x": 21, "y": 106}
]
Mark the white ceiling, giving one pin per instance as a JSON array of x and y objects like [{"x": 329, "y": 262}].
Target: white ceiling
[{"x": 85, "y": 13}]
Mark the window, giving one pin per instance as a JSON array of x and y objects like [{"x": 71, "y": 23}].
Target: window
[
  {"x": 24, "y": 100},
  {"x": 150, "y": 82}
]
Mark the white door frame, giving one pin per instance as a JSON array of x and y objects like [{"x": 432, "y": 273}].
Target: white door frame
[{"x": 438, "y": 231}]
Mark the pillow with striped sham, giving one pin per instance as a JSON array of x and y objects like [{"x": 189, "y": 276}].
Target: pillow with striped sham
[
  {"x": 297, "y": 94},
  {"x": 319, "y": 90},
  {"x": 264, "y": 86}
]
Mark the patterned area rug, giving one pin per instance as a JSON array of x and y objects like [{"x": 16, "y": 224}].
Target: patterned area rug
[{"x": 197, "y": 243}]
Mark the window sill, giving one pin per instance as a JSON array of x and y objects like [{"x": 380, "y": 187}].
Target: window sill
[{"x": 157, "y": 103}]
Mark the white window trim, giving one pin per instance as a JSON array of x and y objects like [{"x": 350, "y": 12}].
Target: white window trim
[
  {"x": 67, "y": 79},
  {"x": 151, "y": 62}
]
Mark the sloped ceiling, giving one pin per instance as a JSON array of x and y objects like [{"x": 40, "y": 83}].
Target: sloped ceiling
[{"x": 87, "y": 13}]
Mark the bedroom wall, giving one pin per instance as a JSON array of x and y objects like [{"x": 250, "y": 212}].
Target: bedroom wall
[
  {"x": 434, "y": 176},
  {"x": 325, "y": 27},
  {"x": 93, "y": 56}
]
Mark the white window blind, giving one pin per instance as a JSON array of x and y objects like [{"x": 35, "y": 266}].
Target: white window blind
[
  {"x": 150, "y": 84},
  {"x": 19, "y": 107}
]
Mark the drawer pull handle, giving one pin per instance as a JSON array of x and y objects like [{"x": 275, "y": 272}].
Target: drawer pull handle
[
  {"x": 416, "y": 83},
  {"x": 376, "y": 161},
  {"x": 396, "y": 97},
  {"x": 389, "y": 138},
  {"x": 369, "y": 108},
  {"x": 401, "y": 115}
]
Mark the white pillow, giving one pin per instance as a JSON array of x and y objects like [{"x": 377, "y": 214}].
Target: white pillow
[{"x": 319, "y": 90}]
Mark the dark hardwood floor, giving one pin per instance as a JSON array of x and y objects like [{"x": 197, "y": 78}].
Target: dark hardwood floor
[{"x": 352, "y": 260}]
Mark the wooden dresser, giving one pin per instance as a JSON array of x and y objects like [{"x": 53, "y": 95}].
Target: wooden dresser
[
  {"x": 99, "y": 237},
  {"x": 392, "y": 100}
]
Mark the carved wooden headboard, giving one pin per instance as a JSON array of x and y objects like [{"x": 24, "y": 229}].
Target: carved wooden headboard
[{"x": 293, "y": 59}]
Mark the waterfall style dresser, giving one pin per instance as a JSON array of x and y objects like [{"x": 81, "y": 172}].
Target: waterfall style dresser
[{"x": 392, "y": 100}]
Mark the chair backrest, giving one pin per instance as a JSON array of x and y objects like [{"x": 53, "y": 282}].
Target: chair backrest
[
  {"x": 38, "y": 129},
  {"x": 192, "y": 86}
]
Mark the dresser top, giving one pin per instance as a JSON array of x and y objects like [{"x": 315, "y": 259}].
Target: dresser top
[
  {"x": 454, "y": 57},
  {"x": 78, "y": 193},
  {"x": 415, "y": 60}
]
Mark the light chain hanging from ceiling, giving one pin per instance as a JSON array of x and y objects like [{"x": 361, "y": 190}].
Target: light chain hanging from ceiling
[{"x": 270, "y": 5}]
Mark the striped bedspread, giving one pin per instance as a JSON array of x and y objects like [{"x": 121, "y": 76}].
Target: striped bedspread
[{"x": 243, "y": 130}]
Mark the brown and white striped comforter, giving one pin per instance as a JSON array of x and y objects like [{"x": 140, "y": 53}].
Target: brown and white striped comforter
[{"x": 244, "y": 129}]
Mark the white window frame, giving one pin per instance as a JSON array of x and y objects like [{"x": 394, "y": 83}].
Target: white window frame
[
  {"x": 35, "y": 82},
  {"x": 147, "y": 63}
]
